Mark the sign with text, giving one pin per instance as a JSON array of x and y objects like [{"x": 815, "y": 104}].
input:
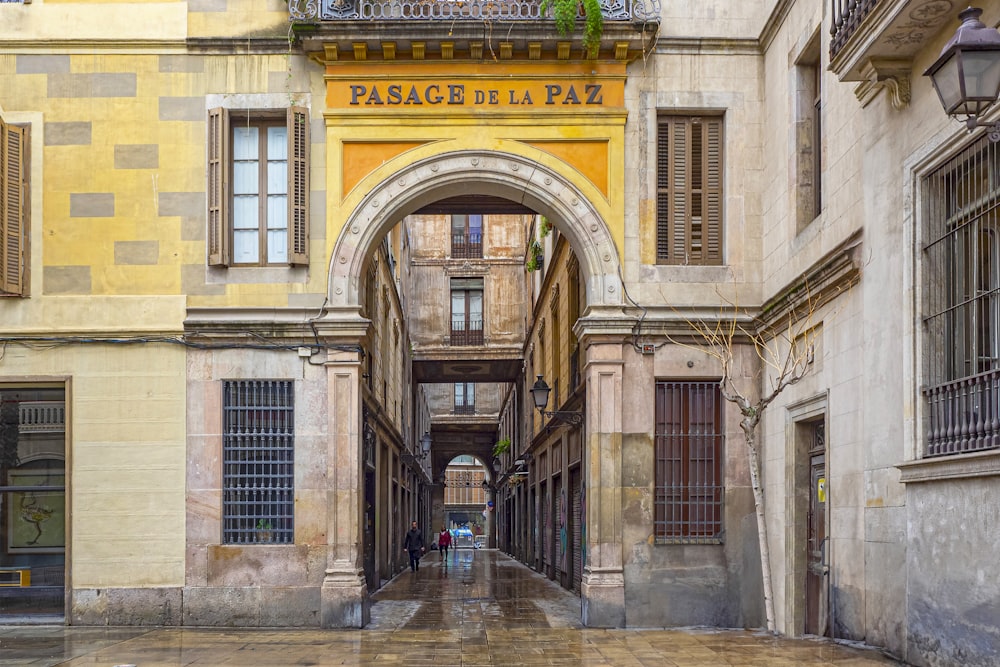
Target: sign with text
[{"x": 429, "y": 90}]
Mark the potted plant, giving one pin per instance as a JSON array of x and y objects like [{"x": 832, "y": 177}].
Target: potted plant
[
  {"x": 535, "y": 256},
  {"x": 264, "y": 531}
]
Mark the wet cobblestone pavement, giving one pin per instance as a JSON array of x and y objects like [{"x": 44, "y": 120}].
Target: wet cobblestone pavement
[{"x": 481, "y": 608}]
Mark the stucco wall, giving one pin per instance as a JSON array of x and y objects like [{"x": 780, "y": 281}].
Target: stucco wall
[{"x": 953, "y": 593}]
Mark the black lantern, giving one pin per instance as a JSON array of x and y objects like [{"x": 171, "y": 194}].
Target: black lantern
[
  {"x": 425, "y": 442},
  {"x": 540, "y": 393},
  {"x": 966, "y": 76}
]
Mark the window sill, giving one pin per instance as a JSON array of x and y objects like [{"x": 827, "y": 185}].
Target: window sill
[
  {"x": 958, "y": 466},
  {"x": 678, "y": 541}
]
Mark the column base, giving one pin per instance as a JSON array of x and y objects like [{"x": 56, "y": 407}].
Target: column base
[
  {"x": 603, "y": 598},
  {"x": 344, "y": 601}
]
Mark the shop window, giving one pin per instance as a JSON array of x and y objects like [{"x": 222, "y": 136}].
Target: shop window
[
  {"x": 689, "y": 450},
  {"x": 14, "y": 225},
  {"x": 961, "y": 270},
  {"x": 258, "y": 187},
  {"x": 258, "y": 491},
  {"x": 689, "y": 190}
]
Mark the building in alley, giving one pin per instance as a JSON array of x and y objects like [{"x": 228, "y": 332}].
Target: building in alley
[{"x": 267, "y": 269}]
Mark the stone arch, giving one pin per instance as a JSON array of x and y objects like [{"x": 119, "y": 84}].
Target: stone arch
[{"x": 500, "y": 174}]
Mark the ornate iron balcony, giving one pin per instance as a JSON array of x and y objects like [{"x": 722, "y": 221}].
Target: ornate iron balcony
[{"x": 309, "y": 11}]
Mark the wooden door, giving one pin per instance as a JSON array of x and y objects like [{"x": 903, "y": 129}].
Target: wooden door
[{"x": 816, "y": 574}]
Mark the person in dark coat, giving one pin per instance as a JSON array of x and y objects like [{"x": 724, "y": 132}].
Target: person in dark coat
[{"x": 414, "y": 544}]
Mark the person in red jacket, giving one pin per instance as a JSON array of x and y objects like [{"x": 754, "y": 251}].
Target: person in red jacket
[{"x": 444, "y": 541}]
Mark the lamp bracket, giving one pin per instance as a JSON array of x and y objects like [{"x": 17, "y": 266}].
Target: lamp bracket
[
  {"x": 993, "y": 131},
  {"x": 575, "y": 418}
]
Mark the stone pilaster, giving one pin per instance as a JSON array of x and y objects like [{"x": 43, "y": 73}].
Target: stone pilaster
[
  {"x": 603, "y": 584},
  {"x": 344, "y": 599}
]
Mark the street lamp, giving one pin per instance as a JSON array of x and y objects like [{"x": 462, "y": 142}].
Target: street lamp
[
  {"x": 540, "y": 395},
  {"x": 425, "y": 443},
  {"x": 966, "y": 75}
]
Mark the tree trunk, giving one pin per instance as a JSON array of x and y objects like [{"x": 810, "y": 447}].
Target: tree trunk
[{"x": 749, "y": 427}]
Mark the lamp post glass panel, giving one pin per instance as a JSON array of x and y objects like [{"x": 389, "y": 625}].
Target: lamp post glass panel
[{"x": 966, "y": 75}]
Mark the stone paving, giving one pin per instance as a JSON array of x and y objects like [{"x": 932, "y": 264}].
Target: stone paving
[{"x": 479, "y": 608}]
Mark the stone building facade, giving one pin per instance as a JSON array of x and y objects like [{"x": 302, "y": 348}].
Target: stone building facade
[{"x": 209, "y": 276}]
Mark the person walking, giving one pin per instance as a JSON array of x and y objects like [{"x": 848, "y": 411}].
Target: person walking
[
  {"x": 444, "y": 541},
  {"x": 414, "y": 544}
]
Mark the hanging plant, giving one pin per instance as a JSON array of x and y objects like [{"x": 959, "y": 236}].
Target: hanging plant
[
  {"x": 565, "y": 13},
  {"x": 535, "y": 256},
  {"x": 545, "y": 227}
]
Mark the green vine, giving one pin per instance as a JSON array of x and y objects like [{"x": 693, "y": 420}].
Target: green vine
[
  {"x": 545, "y": 227},
  {"x": 502, "y": 447},
  {"x": 565, "y": 12}
]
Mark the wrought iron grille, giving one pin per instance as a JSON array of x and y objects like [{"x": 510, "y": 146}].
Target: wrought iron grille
[
  {"x": 466, "y": 246},
  {"x": 258, "y": 457},
  {"x": 466, "y": 332},
  {"x": 689, "y": 450},
  {"x": 472, "y": 10},
  {"x": 961, "y": 274}
]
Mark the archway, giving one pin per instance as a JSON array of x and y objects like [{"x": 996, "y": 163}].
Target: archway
[
  {"x": 498, "y": 174},
  {"x": 551, "y": 193}
]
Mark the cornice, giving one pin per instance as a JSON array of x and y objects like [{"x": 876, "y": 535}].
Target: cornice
[{"x": 960, "y": 466}]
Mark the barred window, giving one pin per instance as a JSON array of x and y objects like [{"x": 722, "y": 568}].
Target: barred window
[
  {"x": 961, "y": 269},
  {"x": 258, "y": 489},
  {"x": 688, "y": 476}
]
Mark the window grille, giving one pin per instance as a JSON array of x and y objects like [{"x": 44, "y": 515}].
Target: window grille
[
  {"x": 258, "y": 449},
  {"x": 961, "y": 266},
  {"x": 688, "y": 476}
]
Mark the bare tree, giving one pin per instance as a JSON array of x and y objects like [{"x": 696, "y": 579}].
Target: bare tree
[{"x": 784, "y": 348}]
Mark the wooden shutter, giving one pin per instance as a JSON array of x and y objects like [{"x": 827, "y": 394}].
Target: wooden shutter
[
  {"x": 298, "y": 185},
  {"x": 13, "y": 230},
  {"x": 218, "y": 187},
  {"x": 689, "y": 190},
  {"x": 712, "y": 191}
]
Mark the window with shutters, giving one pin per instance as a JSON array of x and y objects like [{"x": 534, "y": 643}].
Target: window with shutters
[
  {"x": 689, "y": 190},
  {"x": 688, "y": 476},
  {"x": 258, "y": 187},
  {"x": 13, "y": 209}
]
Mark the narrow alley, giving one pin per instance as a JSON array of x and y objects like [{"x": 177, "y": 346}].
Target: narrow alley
[{"x": 479, "y": 607}]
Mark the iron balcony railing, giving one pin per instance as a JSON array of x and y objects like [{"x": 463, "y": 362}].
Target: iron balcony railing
[
  {"x": 471, "y": 10},
  {"x": 467, "y": 332},
  {"x": 964, "y": 415},
  {"x": 847, "y": 16},
  {"x": 467, "y": 246}
]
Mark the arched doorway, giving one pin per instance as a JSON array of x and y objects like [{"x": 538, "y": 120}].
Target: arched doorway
[{"x": 547, "y": 191}]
